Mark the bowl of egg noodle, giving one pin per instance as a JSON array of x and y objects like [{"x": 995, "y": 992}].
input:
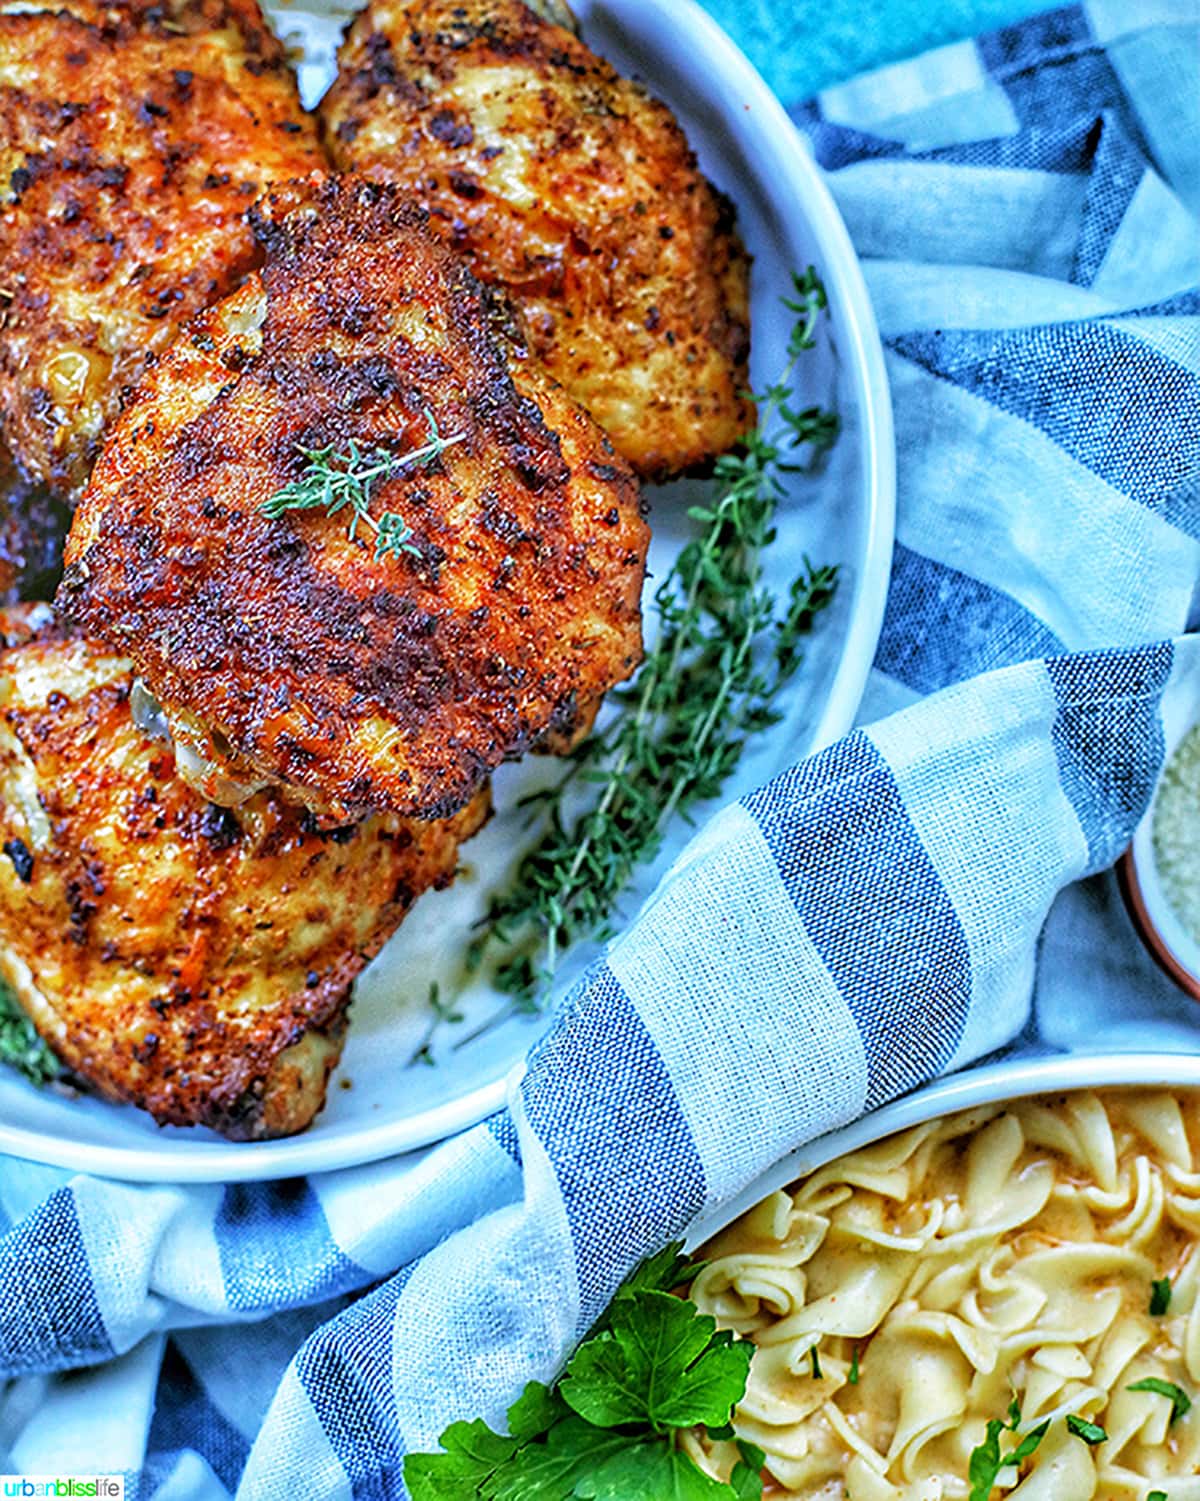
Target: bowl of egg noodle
[{"x": 988, "y": 1289}]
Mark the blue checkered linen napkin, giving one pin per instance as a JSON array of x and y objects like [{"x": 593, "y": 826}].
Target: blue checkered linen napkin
[{"x": 871, "y": 918}]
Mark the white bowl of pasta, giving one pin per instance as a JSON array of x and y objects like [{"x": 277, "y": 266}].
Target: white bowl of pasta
[{"x": 988, "y": 1289}]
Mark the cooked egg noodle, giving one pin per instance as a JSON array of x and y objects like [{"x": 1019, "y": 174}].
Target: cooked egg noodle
[{"x": 1002, "y": 1251}]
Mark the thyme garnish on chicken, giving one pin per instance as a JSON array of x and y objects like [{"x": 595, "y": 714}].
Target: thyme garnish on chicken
[
  {"x": 725, "y": 651},
  {"x": 334, "y": 481}
]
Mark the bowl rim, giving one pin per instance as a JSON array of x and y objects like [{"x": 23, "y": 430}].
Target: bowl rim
[
  {"x": 790, "y": 162},
  {"x": 1170, "y": 945},
  {"x": 987, "y": 1084},
  {"x": 1141, "y": 914}
]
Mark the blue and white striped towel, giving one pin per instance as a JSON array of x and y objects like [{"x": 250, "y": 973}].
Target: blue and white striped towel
[{"x": 869, "y": 919}]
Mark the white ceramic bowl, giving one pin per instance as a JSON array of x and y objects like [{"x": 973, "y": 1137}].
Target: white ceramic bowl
[
  {"x": 993, "y": 1084},
  {"x": 749, "y": 148},
  {"x": 1169, "y": 942}
]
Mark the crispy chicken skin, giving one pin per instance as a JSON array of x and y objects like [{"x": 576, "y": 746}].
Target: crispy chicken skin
[
  {"x": 569, "y": 187},
  {"x": 192, "y": 960},
  {"x": 133, "y": 138},
  {"x": 285, "y": 646}
]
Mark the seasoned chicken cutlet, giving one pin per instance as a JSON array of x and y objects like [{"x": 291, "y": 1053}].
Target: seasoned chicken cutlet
[
  {"x": 288, "y": 648},
  {"x": 190, "y": 959},
  {"x": 133, "y": 138},
  {"x": 572, "y": 189}
]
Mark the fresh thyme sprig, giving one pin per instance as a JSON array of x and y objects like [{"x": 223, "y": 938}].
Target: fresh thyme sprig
[
  {"x": 724, "y": 652},
  {"x": 334, "y": 481},
  {"x": 440, "y": 1013}
]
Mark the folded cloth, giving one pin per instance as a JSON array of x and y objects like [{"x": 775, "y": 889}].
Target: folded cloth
[{"x": 873, "y": 917}]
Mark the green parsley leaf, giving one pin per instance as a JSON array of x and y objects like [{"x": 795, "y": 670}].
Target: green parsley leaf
[
  {"x": 1027, "y": 1445},
  {"x": 1180, "y": 1401},
  {"x": 600, "y": 1386},
  {"x": 573, "y": 1452},
  {"x": 606, "y": 1432},
  {"x": 659, "y": 1362},
  {"x": 1160, "y": 1296},
  {"x": 746, "y": 1479},
  {"x": 984, "y": 1464},
  {"x": 535, "y": 1410},
  {"x": 1090, "y": 1433},
  {"x": 650, "y": 1472},
  {"x": 662, "y": 1272},
  {"x": 852, "y": 1378},
  {"x": 1157, "y": 1496},
  {"x": 473, "y": 1454},
  {"x": 986, "y": 1461},
  {"x": 816, "y": 1363}
]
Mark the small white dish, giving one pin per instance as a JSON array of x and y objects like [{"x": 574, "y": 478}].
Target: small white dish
[
  {"x": 378, "y": 1104},
  {"x": 1172, "y": 947}
]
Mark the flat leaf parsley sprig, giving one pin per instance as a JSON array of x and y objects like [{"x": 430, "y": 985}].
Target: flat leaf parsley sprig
[
  {"x": 726, "y": 648},
  {"x": 609, "y": 1429},
  {"x": 333, "y": 482}
]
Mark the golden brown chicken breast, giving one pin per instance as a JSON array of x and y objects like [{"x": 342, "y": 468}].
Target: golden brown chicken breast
[
  {"x": 133, "y": 138},
  {"x": 577, "y": 193},
  {"x": 475, "y": 591},
  {"x": 193, "y": 960}
]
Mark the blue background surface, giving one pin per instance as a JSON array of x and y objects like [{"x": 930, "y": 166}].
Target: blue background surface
[{"x": 800, "y": 46}]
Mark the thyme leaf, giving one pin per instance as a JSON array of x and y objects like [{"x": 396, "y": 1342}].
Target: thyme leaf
[
  {"x": 335, "y": 482},
  {"x": 441, "y": 1012}
]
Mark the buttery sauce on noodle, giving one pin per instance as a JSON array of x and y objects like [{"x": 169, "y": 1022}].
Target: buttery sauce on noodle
[{"x": 1007, "y": 1250}]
